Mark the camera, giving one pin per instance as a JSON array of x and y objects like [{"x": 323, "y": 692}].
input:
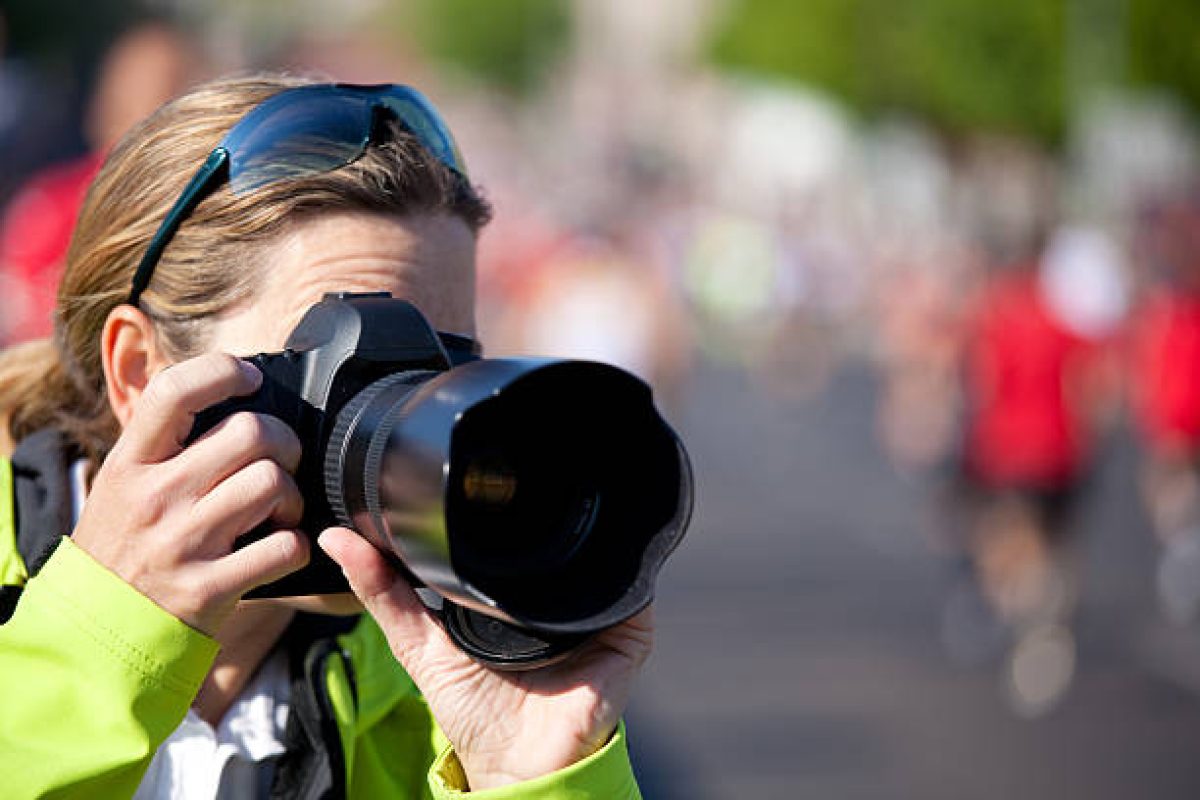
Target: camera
[{"x": 531, "y": 501}]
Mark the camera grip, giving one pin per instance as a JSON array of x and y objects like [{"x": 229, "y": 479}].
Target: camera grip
[{"x": 281, "y": 370}]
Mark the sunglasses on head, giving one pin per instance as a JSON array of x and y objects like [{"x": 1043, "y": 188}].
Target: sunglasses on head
[{"x": 300, "y": 132}]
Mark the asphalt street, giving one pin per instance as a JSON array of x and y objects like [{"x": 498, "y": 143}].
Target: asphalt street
[{"x": 798, "y": 651}]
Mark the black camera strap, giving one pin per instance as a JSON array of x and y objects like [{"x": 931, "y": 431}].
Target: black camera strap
[
  {"x": 313, "y": 766},
  {"x": 42, "y": 504}
]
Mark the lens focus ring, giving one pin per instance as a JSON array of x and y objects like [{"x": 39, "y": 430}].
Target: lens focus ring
[{"x": 350, "y": 476}]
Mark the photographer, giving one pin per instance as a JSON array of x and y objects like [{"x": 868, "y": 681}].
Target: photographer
[{"x": 129, "y": 665}]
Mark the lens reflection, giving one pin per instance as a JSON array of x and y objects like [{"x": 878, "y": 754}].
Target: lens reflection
[{"x": 490, "y": 481}]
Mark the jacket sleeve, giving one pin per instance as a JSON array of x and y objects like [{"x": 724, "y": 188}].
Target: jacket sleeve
[
  {"x": 93, "y": 677},
  {"x": 604, "y": 775}
]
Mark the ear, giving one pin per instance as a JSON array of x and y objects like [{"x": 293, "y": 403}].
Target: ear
[{"x": 131, "y": 356}]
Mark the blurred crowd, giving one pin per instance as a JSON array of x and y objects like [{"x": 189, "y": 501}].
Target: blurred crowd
[{"x": 1016, "y": 303}]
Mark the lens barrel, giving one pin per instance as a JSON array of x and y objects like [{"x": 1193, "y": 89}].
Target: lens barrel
[{"x": 542, "y": 494}]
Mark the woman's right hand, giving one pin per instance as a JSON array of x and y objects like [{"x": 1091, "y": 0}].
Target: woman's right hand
[{"x": 164, "y": 517}]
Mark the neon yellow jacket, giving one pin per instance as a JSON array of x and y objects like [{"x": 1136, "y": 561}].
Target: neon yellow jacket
[{"x": 94, "y": 676}]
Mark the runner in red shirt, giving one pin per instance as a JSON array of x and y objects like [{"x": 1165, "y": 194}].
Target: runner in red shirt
[
  {"x": 1166, "y": 394},
  {"x": 1029, "y": 384},
  {"x": 1025, "y": 428}
]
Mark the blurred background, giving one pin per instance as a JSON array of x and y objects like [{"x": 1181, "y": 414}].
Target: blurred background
[{"x": 918, "y": 282}]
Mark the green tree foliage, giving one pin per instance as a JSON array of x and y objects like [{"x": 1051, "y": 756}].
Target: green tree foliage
[
  {"x": 961, "y": 64},
  {"x": 1164, "y": 46},
  {"x": 510, "y": 44}
]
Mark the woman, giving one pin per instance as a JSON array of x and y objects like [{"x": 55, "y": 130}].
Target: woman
[{"x": 130, "y": 664}]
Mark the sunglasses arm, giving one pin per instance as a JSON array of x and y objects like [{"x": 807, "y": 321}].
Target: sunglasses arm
[{"x": 210, "y": 175}]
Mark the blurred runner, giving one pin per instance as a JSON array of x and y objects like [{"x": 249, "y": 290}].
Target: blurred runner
[
  {"x": 145, "y": 67},
  {"x": 733, "y": 277},
  {"x": 1032, "y": 388},
  {"x": 1166, "y": 390},
  {"x": 919, "y": 312}
]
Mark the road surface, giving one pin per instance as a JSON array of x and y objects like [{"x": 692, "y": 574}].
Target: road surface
[{"x": 798, "y": 652}]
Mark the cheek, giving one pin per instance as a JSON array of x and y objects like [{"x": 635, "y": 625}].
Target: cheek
[
  {"x": 257, "y": 329},
  {"x": 447, "y": 301}
]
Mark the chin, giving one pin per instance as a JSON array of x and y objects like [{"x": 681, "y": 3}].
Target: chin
[{"x": 339, "y": 605}]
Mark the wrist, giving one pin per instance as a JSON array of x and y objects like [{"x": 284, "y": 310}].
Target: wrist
[{"x": 514, "y": 767}]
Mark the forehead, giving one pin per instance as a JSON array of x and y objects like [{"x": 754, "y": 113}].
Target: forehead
[{"x": 426, "y": 259}]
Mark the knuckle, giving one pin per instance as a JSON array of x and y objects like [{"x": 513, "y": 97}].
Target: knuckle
[
  {"x": 194, "y": 597},
  {"x": 291, "y": 549},
  {"x": 179, "y": 380},
  {"x": 221, "y": 366},
  {"x": 289, "y": 441},
  {"x": 284, "y": 442},
  {"x": 267, "y": 480},
  {"x": 247, "y": 427},
  {"x": 164, "y": 387}
]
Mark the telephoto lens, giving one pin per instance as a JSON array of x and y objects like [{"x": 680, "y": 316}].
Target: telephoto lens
[{"x": 537, "y": 498}]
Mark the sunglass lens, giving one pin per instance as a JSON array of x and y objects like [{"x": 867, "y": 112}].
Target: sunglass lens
[
  {"x": 422, "y": 120},
  {"x": 291, "y": 136}
]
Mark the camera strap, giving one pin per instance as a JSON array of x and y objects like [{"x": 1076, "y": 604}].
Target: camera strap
[{"x": 41, "y": 504}]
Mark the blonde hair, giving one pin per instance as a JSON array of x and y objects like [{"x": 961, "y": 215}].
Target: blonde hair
[{"x": 210, "y": 265}]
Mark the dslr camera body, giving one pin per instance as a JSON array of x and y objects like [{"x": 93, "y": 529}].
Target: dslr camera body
[{"x": 531, "y": 501}]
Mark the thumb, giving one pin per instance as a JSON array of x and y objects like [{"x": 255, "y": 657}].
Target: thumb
[{"x": 386, "y": 595}]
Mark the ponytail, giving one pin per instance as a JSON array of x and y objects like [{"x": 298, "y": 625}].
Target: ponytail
[
  {"x": 31, "y": 377},
  {"x": 36, "y": 391}
]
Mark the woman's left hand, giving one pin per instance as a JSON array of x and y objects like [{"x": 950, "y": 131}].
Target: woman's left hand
[{"x": 505, "y": 726}]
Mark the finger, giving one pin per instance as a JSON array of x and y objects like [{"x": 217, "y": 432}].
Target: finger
[
  {"x": 237, "y": 441},
  {"x": 256, "y": 493},
  {"x": 386, "y": 595},
  {"x": 260, "y": 562},
  {"x": 165, "y": 412}
]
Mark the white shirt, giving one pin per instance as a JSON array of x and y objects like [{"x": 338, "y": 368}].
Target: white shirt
[{"x": 237, "y": 759}]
